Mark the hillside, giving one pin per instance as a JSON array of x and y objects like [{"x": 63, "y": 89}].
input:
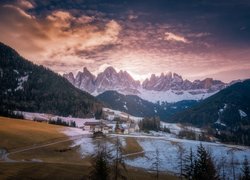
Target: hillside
[
  {"x": 228, "y": 111},
  {"x": 136, "y": 106},
  {"x": 29, "y": 87}
]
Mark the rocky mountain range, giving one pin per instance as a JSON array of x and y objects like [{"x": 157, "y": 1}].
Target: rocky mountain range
[{"x": 169, "y": 87}]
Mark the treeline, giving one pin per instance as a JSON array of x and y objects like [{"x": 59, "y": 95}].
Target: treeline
[
  {"x": 147, "y": 124},
  {"x": 240, "y": 135},
  {"x": 60, "y": 122},
  {"x": 200, "y": 165},
  {"x": 11, "y": 114}
]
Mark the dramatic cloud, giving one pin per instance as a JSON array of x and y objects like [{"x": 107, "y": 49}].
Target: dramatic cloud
[
  {"x": 25, "y": 4},
  {"x": 173, "y": 37},
  {"x": 196, "y": 39},
  {"x": 54, "y": 39}
]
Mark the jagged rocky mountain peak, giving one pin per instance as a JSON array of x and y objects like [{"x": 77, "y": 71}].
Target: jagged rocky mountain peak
[{"x": 161, "y": 86}]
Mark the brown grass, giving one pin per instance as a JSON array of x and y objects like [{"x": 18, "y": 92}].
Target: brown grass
[
  {"x": 64, "y": 171},
  {"x": 16, "y": 133},
  {"x": 132, "y": 146},
  {"x": 59, "y": 160}
]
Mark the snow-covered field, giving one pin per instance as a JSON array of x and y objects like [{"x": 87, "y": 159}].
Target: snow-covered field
[
  {"x": 175, "y": 128},
  {"x": 121, "y": 114},
  {"x": 168, "y": 147},
  {"x": 46, "y": 117}
]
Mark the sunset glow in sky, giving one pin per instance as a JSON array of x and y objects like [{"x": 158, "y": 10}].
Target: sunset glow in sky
[{"x": 194, "y": 38}]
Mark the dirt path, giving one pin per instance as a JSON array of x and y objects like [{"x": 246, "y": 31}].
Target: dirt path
[{"x": 4, "y": 154}]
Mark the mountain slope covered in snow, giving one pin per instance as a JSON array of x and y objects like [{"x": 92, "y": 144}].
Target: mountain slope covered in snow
[
  {"x": 169, "y": 87},
  {"x": 136, "y": 106}
]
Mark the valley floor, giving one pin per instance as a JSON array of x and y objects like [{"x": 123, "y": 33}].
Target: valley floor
[
  {"x": 28, "y": 146},
  {"x": 42, "y": 151}
]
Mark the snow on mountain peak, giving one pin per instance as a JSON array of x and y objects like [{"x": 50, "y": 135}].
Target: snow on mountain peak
[{"x": 162, "y": 87}]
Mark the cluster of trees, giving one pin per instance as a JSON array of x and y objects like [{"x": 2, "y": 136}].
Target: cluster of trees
[
  {"x": 189, "y": 134},
  {"x": 240, "y": 135},
  {"x": 59, "y": 121},
  {"x": 11, "y": 114},
  {"x": 148, "y": 124},
  {"x": 231, "y": 99},
  {"x": 105, "y": 166},
  {"x": 200, "y": 165}
]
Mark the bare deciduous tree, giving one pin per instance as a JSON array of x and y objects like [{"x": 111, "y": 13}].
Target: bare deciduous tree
[
  {"x": 119, "y": 166},
  {"x": 156, "y": 163}
]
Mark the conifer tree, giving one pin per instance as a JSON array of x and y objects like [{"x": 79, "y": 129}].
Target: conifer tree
[
  {"x": 245, "y": 170},
  {"x": 189, "y": 166},
  {"x": 204, "y": 166}
]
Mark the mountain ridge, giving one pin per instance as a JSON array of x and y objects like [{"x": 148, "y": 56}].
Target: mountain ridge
[
  {"x": 226, "y": 114},
  {"x": 165, "y": 85},
  {"x": 136, "y": 106}
]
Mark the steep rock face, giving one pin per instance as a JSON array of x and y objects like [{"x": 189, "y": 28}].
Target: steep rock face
[
  {"x": 165, "y": 87},
  {"x": 85, "y": 80},
  {"x": 70, "y": 77},
  {"x": 175, "y": 82},
  {"x": 109, "y": 79}
]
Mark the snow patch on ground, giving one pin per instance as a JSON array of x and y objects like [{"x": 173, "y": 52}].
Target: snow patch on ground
[
  {"x": 125, "y": 106},
  {"x": 175, "y": 128},
  {"x": 74, "y": 131},
  {"x": 171, "y": 96},
  {"x": 122, "y": 114},
  {"x": 168, "y": 147},
  {"x": 46, "y": 117},
  {"x": 21, "y": 80},
  {"x": 242, "y": 113},
  {"x": 220, "y": 112}
]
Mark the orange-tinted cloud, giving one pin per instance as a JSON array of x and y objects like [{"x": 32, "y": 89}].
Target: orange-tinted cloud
[
  {"x": 56, "y": 37},
  {"x": 66, "y": 38},
  {"x": 173, "y": 37}
]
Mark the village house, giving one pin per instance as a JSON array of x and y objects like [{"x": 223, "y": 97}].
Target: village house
[
  {"x": 109, "y": 115},
  {"x": 133, "y": 128},
  {"x": 110, "y": 127},
  {"x": 97, "y": 127}
]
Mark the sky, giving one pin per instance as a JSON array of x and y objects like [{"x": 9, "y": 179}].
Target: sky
[{"x": 194, "y": 38}]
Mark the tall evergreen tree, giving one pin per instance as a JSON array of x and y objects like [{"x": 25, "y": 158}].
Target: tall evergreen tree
[
  {"x": 189, "y": 166},
  {"x": 245, "y": 170},
  {"x": 204, "y": 167},
  {"x": 181, "y": 152}
]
